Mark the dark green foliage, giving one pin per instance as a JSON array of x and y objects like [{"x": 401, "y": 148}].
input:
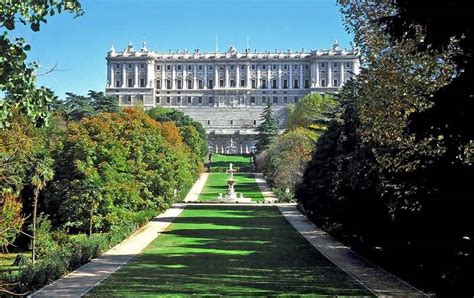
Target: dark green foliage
[
  {"x": 267, "y": 129},
  {"x": 75, "y": 107},
  {"x": 391, "y": 176}
]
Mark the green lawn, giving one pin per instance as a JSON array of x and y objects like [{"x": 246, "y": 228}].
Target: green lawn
[
  {"x": 217, "y": 183},
  {"x": 229, "y": 250},
  {"x": 219, "y": 160}
]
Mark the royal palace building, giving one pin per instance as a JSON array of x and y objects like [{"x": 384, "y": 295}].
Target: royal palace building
[{"x": 226, "y": 91}]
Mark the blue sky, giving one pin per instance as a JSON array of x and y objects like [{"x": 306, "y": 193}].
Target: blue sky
[{"x": 78, "y": 45}]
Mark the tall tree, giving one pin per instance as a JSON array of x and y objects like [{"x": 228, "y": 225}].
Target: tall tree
[
  {"x": 267, "y": 129},
  {"x": 17, "y": 77},
  {"x": 102, "y": 102}
]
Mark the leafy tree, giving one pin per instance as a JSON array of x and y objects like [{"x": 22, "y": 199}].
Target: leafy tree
[
  {"x": 102, "y": 102},
  {"x": 162, "y": 114},
  {"x": 17, "y": 78},
  {"x": 267, "y": 129},
  {"x": 78, "y": 106},
  {"x": 313, "y": 111},
  {"x": 11, "y": 220},
  {"x": 42, "y": 173}
]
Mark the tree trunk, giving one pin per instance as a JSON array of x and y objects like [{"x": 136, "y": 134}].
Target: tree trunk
[
  {"x": 91, "y": 214},
  {"x": 35, "y": 208}
]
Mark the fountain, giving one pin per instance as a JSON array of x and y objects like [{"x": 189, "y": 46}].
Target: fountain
[{"x": 231, "y": 195}]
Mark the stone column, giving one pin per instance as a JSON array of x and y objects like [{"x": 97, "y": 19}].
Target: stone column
[
  {"x": 248, "y": 76},
  {"x": 173, "y": 77},
  {"x": 163, "y": 78},
  {"x": 204, "y": 81},
  {"x": 226, "y": 79},
  {"x": 195, "y": 76},
  {"x": 112, "y": 76},
  {"x": 124, "y": 75},
  {"x": 185, "y": 79},
  {"x": 135, "y": 83},
  {"x": 237, "y": 76},
  {"x": 301, "y": 76},
  {"x": 290, "y": 77},
  {"x": 150, "y": 75},
  {"x": 269, "y": 77},
  {"x": 317, "y": 74},
  {"x": 216, "y": 76},
  {"x": 258, "y": 76},
  {"x": 279, "y": 75},
  {"x": 341, "y": 70},
  {"x": 329, "y": 75}
]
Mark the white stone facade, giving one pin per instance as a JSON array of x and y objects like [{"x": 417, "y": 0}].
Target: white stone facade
[{"x": 225, "y": 81}]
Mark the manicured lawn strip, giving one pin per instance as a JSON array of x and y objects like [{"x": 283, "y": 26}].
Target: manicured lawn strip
[
  {"x": 219, "y": 160},
  {"x": 217, "y": 183},
  {"x": 229, "y": 250}
]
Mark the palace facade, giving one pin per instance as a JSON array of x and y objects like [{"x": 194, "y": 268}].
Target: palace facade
[{"x": 226, "y": 91}]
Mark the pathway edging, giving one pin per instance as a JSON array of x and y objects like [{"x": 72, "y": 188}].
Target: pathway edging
[
  {"x": 371, "y": 276},
  {"x": 266, "y": 191},
  {"x": 193, "y": 194}
]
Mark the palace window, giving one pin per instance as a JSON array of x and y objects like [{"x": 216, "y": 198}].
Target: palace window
[
  {"x": 117, "y": 83},
  {"x": 264, "y": 99},
  {"x": 128, "y": 98},
  {"x": 306, "y": 66},
  {"x": 254, "y": 83},
  {"x": 348, "y": 64},
  {"x": 211, "y": 99},
  {"x": 168, "y": 84},
  {"x": 306, "y": 83},
  {"x": 252, "y": 99},
  {"x": 232, "y": 83},
  {"x": 242, "y": 67},
  {"x": 295, "y": 67},
  {"x": 201, "y": 84},
  {"x": 178, "y": 67},
  {"x": 274, "y": 67},
  {"x": 158, "y": 84},
  {"x": 285, "y": 84},
  {"x": 323, "y": 83},
  {"x": 168, "y": 99},
  {"x": 168, "y": 67},
  {"x": 295, "y": 99},
  {"x": 158, "y": 67},
  {"x": 221, "y": 83},
  {"x": 242, "y": 83},
  {"x": 208, "y": 122},
  {"x": 142, "y": 66},
  {"x": 190, "y": 84},
  {"x": 231, "y": 122},
  {"x": 190, "y": 100},
  {"x": 264, "y": 67},
  {"x": 263, "y": 82},
  {"x": 142, "y": 82},
  {"x": 275, "y": 99},
  {"x": 323, "y": 64},
  {"x": 190, "y": 67},
  {"x": 274, "y": 84},
  {"x": 130, "y": 83},
  {"x": 232, "y": 67},
  {"x": 200, "y": 99},
  {"x": 285, "y": 66},
  {"x": 210, "y": 67},
  {"x": 210, "y": 84},
  {"x": 254, "y": 122},
  {"x": 180, "y": 84},
  {"x": 335, "y": 82},
  {"x": 285, "y": 99},
  {"x": 117, "y": 65},
  {"x": 157, "y": 99},
  {"x": 178, "y": 99},
  {"x": 200, "y": 67},
  {"x": 254, "y": 66},
  {"x": 221, "y": 67},
  {"x": 130, "y": 66},
  {"x": 334, "y": 64},
  {"x": 295, "y": 84}
]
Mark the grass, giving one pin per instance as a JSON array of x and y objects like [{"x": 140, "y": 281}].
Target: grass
[
  {"x": 217, "y": 183},
  {"x": 229, "y": 250},
  {"x": 219, "y": 160}
]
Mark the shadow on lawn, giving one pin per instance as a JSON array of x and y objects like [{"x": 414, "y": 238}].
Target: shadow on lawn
[{"x": 230, "y": 250}]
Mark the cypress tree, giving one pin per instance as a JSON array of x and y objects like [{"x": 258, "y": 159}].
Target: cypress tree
[{"x": 267, "y": 130}]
